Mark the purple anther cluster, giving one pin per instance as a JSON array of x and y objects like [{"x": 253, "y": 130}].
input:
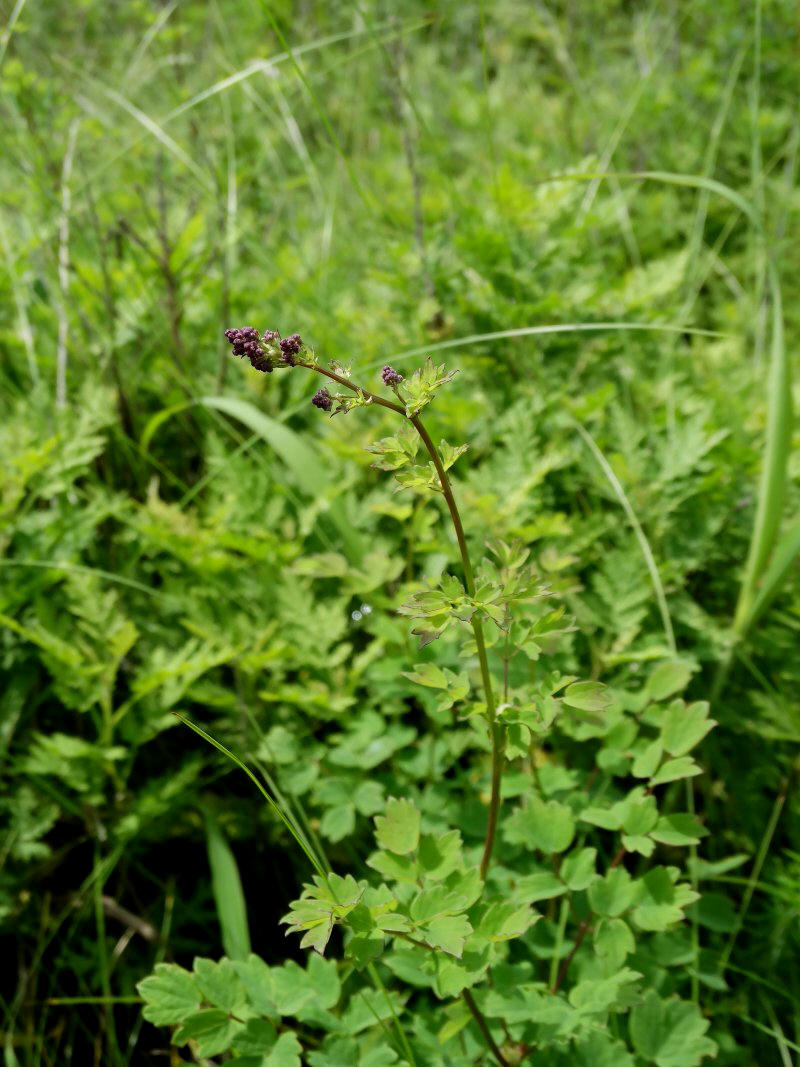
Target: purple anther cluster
[
  {"x": 322, "y": 399},
  {"x": 290, "y": 346},
  {"x": 246, "y": 341}
]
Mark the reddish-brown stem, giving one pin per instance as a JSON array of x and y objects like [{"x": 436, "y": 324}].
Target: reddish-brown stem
[
  {"x": 483, "y": 1026},
  {"x": 583, "y": 930},
  {"x": 469, "y": 1000},
  {"x": 495, "y": 729},
  {"x": 354, "y": 388}
]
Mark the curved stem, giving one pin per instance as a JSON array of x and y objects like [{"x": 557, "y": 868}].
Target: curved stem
[
  {"x": 354, "y": 388},
  {"x": 496, "y": 730}
]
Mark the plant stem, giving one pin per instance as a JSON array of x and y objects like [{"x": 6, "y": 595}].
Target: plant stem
[
  {"x": 755, "y": 874},
  {"x": 495, "y": 729},
  {"x": 483, "y": 1026},
  {"x": 583, "y": 930},
  {"x": 354, "y": 388}
]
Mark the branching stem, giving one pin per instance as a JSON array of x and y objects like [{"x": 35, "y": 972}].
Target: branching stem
[{"x": 496, "y": 730}]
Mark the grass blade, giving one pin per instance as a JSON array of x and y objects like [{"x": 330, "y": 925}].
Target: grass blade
[
  {"x": 8, "y": 29},
  {"x": 773, "y": 473},
  {"x": 277, "y": 809},
  {"x": 786, "y": 552},
  {"x": 641, "y": 537},
  {"x": 548, "y": 328},
  {"x": 226, "y": 886},
  {"x": 313, "y": 477}
]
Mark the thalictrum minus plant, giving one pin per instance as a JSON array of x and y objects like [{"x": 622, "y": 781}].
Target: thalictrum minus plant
[{"x": 262, "y": 351}]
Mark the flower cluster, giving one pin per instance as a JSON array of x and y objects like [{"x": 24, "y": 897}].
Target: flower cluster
[
  {"x": 269, "y": 351},
  {"x": 289, "y": 347},
  {"x": 244, "y": 340},
  {"x": 264, "y": 351},
  {"x": 322, "y": 399}
]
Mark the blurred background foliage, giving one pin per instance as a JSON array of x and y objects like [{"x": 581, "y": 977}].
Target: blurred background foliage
[{"x": 180, "y": 534}]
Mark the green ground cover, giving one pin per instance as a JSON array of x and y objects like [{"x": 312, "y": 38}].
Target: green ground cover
[{"x": 590, "y": 211}]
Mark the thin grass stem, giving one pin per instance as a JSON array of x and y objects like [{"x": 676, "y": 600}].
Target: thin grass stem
[{"x": 641, "y": 537}]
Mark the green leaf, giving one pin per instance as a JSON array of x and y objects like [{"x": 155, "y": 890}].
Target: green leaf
[
  {"x": 226, "y": 886},
  {"x": 670, "y": 1033},
  {"x": 434, "y": 900},
  {"x": 330, "y": 899},
  {"x": 641, "y": 815},
  {"x": 678, "y": 829},
  {"x": 646, "y": 762},
  {"x": 218, "y": 983},
  {"x": 578, "y": 869},
  {"x": 684, "y": 726},
  {"x": 170, "y": 995},
  {"x": 370, "y": 1006},
  {"x": 547, "y": 826},
  {"x": 455, "y": 975},
  {"x": 338, "y": 822},
  {"x": 613, "y": 894},
  {"x": 257, "y": 1038},
  {"x": 448, "y": 932},
  {"x": 420, "y": 389},
  {"x": 674, "y": 769},
  {"x": 323, "y": 978},
  {"x": 428, "y": 674},
  {"x": 543, "y": 885},
  {"x": 613, "y": 941},
  {"x": 503, "y": 921},
  {"x": 662, "y": 900},
  {"x": 715, "y": 912},
  {"x": 645, "y": 846},
  {"x": 606, "y": 818},
  {"x": 349, "y": 1052},
  {"x": 286, "y": 1052},
  {"x": 599, "y": 995},
  {"x": 439, "y": 855},
  {"x": 294, "y": 989},
  {"x": 668, "y": 678},
  {"x": 211, "y": 1029},
  {"x": 398, "y": 830},
  {"x": 394, "y": 868},
  {"x": 256, "y": 978},
  {"x": 600, "y": 1050},
  {"x": 587, "y": 696}
]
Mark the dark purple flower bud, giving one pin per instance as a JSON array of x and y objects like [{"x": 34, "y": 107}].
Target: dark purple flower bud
[
  {"x": 322, "y": 399},
  {"x": 290, "y": 346},
  {"x": 230, "y": 335},
  {"x": 390, "y": 376},
  {"x": 270, "y": 336},
  {"x": 260, "y": 361}
]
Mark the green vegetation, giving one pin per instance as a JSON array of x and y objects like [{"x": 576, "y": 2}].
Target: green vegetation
[{"x": 249, "y": 683}]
